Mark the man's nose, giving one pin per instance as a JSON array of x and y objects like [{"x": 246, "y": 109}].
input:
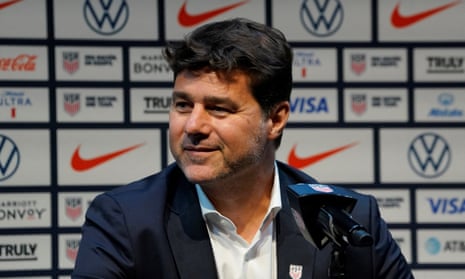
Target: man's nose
[{"x": 198, "y": 121}]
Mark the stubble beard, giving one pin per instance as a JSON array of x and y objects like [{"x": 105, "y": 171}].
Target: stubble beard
[{"x": 231, "y": 168}]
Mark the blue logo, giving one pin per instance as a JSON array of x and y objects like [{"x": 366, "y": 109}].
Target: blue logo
[
  {"x": 321, "y": 18},
  {"x": 446, "y": 99},
  {"x": 14, "y": 99},
  {"x": 303, "y": 59},
  {"x": 106, "y": 17},
  {"x": 9, "y": 157},
  {"x": 446, "y": 205},
  {"x": 309, "y": 105},
  {"x": 446, "y": 110},
  {"x": 429, "y": 155},
  {"x": 433, "y": 246}
]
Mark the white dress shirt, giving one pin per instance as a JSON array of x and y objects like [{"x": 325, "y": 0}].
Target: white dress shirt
[{"x": 236, "y": 258}]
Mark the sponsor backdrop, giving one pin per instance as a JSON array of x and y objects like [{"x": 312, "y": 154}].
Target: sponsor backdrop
[{"x": 378, "y": 105}]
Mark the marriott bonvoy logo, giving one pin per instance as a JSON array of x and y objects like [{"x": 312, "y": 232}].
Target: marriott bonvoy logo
[{"x": 20, "y": 210}]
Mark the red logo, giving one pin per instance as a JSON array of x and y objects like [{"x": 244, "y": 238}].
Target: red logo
[
  {"x": 302, "y": 162},
  {"x": 358, "y": 63},
  {"x": 187, "y": 20},
  {"x": 8, "y": 3},
  {"x": 73, "y": 208},
  {"x": 71, "y": 61},
  {"x": 321, "y": 188},
  {"x": 359, "y": 103},
  {"x": 82, "y": 164},
  {"x": 399, "y": 20},
  {"x": 72, "y": 103},
  {"x": 72, "y": 248},
  {"x": 21, "y": 63}
]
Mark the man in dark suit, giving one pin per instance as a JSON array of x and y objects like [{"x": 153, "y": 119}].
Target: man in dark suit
[{"x": 221, "y": 211}]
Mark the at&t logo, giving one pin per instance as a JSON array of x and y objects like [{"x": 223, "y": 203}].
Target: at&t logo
[
  {"x": 433, "y": 246},
  {"x": 429, "y": 155}
]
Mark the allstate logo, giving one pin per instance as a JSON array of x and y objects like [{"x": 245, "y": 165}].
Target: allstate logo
[
  {"x": 321, "y": 18},
  {"x": 433, "y": 246},
  {"x": 429, "y": 155},
  {"x": 106, "y": 17},
  {"x": 446, "y": 99},
  {"x": 9, "y": 157}
]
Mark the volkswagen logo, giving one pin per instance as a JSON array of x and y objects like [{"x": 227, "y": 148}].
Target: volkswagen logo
[
  {"x": 429, "y": 155},
  {"x": 106, "y": 17},
  {"x": 321, "y": 18},
  {"x": 9, "y": 157}
]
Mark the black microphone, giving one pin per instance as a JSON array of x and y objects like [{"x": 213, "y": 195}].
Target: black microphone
[{"x": 322, "y": 215}]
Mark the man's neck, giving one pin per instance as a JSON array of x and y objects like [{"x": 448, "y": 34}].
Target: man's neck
[{"x": 244, "y": 203}]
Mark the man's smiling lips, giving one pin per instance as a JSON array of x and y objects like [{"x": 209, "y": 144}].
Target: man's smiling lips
[
  {"x": 198, "y": 155},
  {"x": 198, "y": 150}
]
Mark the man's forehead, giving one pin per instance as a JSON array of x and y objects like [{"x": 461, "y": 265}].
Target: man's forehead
[{"x": 226, "y": 76}]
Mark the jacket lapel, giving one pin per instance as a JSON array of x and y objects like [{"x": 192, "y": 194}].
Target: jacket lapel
[
  {"x": 188, "y": 235},
  {"x": 190, "y": 243},
  {"x": 296, "y": 256}
]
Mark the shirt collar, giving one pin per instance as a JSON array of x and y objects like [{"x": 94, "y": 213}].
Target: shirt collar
[{"x": 207, "y": 207}]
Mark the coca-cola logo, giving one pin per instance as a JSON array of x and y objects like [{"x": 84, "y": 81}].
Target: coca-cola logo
[{"x": 22, "y": 62}]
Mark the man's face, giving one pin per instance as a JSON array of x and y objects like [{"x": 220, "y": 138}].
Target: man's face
[{"x": 217, "y": 129}]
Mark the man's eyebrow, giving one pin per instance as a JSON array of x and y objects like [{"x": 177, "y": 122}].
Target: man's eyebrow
[
  {"x": 180, "y": 94},
  {"x": 206, "y": 99},
  {"x": 217, "y": 100}
]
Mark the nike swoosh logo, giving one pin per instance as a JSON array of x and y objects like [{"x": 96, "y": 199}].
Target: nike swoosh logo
[
  {"x": 399, "y": 20},
  {"x": 302, "y": 162},
  {"x": 83, "y": 164},
  {"x": 8, "y": 3},
  {"x": 187, "y": 20}
]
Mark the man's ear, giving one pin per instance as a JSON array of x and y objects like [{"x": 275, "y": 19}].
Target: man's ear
[{"x": 278, "y": 119}]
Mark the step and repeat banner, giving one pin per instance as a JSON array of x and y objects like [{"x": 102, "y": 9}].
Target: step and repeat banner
[{"x": 378, "y": 105}]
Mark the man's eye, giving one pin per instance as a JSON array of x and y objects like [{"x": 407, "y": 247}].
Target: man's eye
[
  {"x": 182, "y": 106},
  {"x": 219, "y": 110}
]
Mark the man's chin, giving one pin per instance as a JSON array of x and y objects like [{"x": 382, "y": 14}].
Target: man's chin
[{"x": 199, "y": 174}]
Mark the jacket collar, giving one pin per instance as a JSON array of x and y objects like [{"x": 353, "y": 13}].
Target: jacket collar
[
  {"x": 186, "y": 230},
  {"x": 190, "y": 243},
  {"x": 293, "y": 249}
]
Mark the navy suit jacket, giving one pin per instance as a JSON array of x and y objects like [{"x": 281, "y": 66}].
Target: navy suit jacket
[{"x": 153, "y": 228}]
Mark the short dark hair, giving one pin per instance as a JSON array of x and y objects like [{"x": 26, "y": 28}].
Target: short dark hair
[{"x": 262, "y": 52}]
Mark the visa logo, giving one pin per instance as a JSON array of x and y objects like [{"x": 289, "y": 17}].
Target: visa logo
[
  {"x": 309, "y": 105},
  {"x": 447, "y": 205}
]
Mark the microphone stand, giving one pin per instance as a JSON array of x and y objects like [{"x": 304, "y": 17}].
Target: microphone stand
[
  {"x": 341, "y": 232},
  {"x": 322, "y": 215},
  {"x": 336, "y": 268}
]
